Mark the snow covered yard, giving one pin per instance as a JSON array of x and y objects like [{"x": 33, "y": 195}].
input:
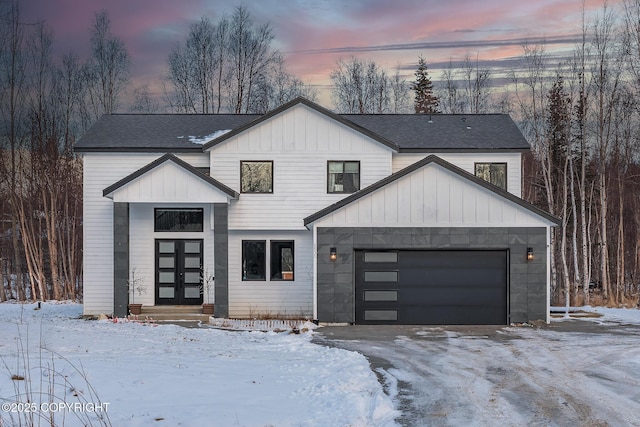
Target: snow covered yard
[{"x": 168, "y": 375}]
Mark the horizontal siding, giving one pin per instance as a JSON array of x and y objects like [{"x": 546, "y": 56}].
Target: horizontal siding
[
  {"x": 433, "y": 197},
  {"x": 300, "y": 142},
  {"x": 466, "y": 162},
  {"x": 100, "y": 171},
  {"x": 275, "y": 298}
]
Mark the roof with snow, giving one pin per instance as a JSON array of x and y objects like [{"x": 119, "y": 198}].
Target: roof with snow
[{"x": 401, "y": 132}]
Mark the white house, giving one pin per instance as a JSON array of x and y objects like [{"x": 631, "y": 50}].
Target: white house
[{"x": 409, "y": 219}]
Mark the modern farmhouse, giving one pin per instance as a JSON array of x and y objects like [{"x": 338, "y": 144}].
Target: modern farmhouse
[{"x": 366, "y": 219}]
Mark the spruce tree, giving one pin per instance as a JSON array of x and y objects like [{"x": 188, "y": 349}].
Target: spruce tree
[{"x": 425, "y": 101}]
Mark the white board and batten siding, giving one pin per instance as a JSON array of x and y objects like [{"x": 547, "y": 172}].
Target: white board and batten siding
[
  {"x": 250, "y": 299},
  {"x": 467, "y": 161},
  {"x": 300, "y": 142},
  {"x": 100, "y": 171},
  {"x": 169, "y": 183},
  {"x": 433, "y": 196}
]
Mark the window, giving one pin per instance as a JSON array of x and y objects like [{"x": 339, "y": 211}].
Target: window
[
  {"x": 281, "y": 260},
  {"x": 169, "y": 219},
  {"x": 343, "y": 177},
  {"x": 256, "y": 177},
  {"x": 254, "y": 260},
  {"x": 495, "y": 173}
]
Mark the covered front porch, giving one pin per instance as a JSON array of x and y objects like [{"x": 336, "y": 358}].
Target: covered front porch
[{"x": 170, "y": 231}]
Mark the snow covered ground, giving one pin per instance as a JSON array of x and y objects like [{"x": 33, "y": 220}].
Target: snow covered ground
[
  {"x": 578, "y": 372},
  {"x": 168, "y": 375},
  {"x": 572, "y": 372}
]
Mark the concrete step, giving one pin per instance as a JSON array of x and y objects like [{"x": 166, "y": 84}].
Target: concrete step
[{"x": 163, "y": 313}]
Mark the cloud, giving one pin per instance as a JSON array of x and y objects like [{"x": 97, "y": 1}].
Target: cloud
[{"x": 457, "y": 44}]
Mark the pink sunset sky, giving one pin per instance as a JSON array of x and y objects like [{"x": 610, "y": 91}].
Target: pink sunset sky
[{"x": 314, "y": 34}]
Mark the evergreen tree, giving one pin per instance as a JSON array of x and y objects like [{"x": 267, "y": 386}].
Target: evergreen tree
[{"x": 425, "y": 101}]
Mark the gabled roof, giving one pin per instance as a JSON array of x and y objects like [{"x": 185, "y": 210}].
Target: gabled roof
[
  {"x": 400, "y": 132},
  {"x": 181, "y": 163},
  {"x": 314, "y": 106},
  {"x": 414, "y": 167}
]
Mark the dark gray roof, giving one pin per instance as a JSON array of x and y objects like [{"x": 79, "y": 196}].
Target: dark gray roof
[
  {"x": 156, "y": 132},
  {"x": 400, "y": 132},
  {"x": 170, "y": 158},
  {"x": 420, "y": 132},
  {"x": 417, "y": 165}
]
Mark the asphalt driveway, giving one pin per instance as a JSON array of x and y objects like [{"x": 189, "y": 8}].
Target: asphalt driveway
[{"x": 574, "y": 372}]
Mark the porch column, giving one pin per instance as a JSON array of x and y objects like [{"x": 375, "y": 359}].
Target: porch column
[
  {"x": 120, "y": 258},
  {"x": 221, "y": 259}
]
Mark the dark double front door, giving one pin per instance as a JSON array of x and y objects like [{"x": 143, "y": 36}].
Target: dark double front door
[{"x": 178, "y": 271}]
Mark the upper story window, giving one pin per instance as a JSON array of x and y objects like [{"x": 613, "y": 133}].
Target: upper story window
[
  {"x": 178, "y": 219},
  {"x": 343, "y": 176},
  {"x": 495, "y": 173},
  {"x": 256, "y": 177}
]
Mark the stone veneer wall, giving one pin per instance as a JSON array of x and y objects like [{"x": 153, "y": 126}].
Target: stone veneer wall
[
  {"x": 120, "y": 259},
  {"x": 527, "y": 279},
  {"x": 221, "y": 259}
]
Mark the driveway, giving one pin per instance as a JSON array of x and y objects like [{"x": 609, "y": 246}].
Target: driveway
[{"x": 573, "y": 372}]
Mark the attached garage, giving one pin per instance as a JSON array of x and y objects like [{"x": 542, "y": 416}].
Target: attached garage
[
  {"x": 431, "y": 244},
  {"x": 431, "y": 287}
]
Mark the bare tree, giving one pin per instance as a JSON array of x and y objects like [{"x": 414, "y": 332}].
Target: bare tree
[
  {"x": 229, "y": 66},
  {"x": 606, "y": 73},
  {"x": 361, "y": 87},
  {"x": 143, "y": 102},
  {"x": 250, "y": 54},
  {"x": 107, "y": 72},
  {"x": 465, "y": 87},
  {"x": 12, "y": 87}
]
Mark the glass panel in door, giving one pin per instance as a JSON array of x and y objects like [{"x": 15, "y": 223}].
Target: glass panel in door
[{"x": 178, "y": 272}]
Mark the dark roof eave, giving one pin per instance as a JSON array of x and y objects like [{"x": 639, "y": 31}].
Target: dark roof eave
[
  {"x": 464, "y": 150},
  {"x": 197, "y": 148}
]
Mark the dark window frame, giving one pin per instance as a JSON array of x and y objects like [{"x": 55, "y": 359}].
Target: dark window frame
[
  {"x": 276, "y": 261},
  {"x": 242, "y": 190},
  {"x": 491, "y": 180},
  {"x": 183, "y": 226},
  {"x": 344, "y": 162},
  {"x": 245, "y": 277}
]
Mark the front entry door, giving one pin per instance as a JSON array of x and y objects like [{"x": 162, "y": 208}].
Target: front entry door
[{"x": 178, "y": 272}]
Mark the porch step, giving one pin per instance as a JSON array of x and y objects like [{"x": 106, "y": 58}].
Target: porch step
[{"x": 163, "y": 313}]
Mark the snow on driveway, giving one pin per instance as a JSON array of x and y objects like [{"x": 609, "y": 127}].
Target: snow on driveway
[
  {"x": 572, "y": 372},
  {"x": 169, "y": 375}
]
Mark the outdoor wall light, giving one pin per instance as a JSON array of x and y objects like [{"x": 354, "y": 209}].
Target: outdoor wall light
[
  {"x": 529, "y": 254},
  {"x": 333, "y": 255}
]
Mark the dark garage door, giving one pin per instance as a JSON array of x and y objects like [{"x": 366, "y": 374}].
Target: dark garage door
[{"x": 447, "y": 287}]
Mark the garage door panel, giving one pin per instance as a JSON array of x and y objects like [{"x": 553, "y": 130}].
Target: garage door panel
[
  {"x": 432, "y": 287},
  {"x": 445, "y": 296}
]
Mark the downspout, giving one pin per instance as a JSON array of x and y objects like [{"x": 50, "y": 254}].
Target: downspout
[{"x": 314, "y": 251}]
